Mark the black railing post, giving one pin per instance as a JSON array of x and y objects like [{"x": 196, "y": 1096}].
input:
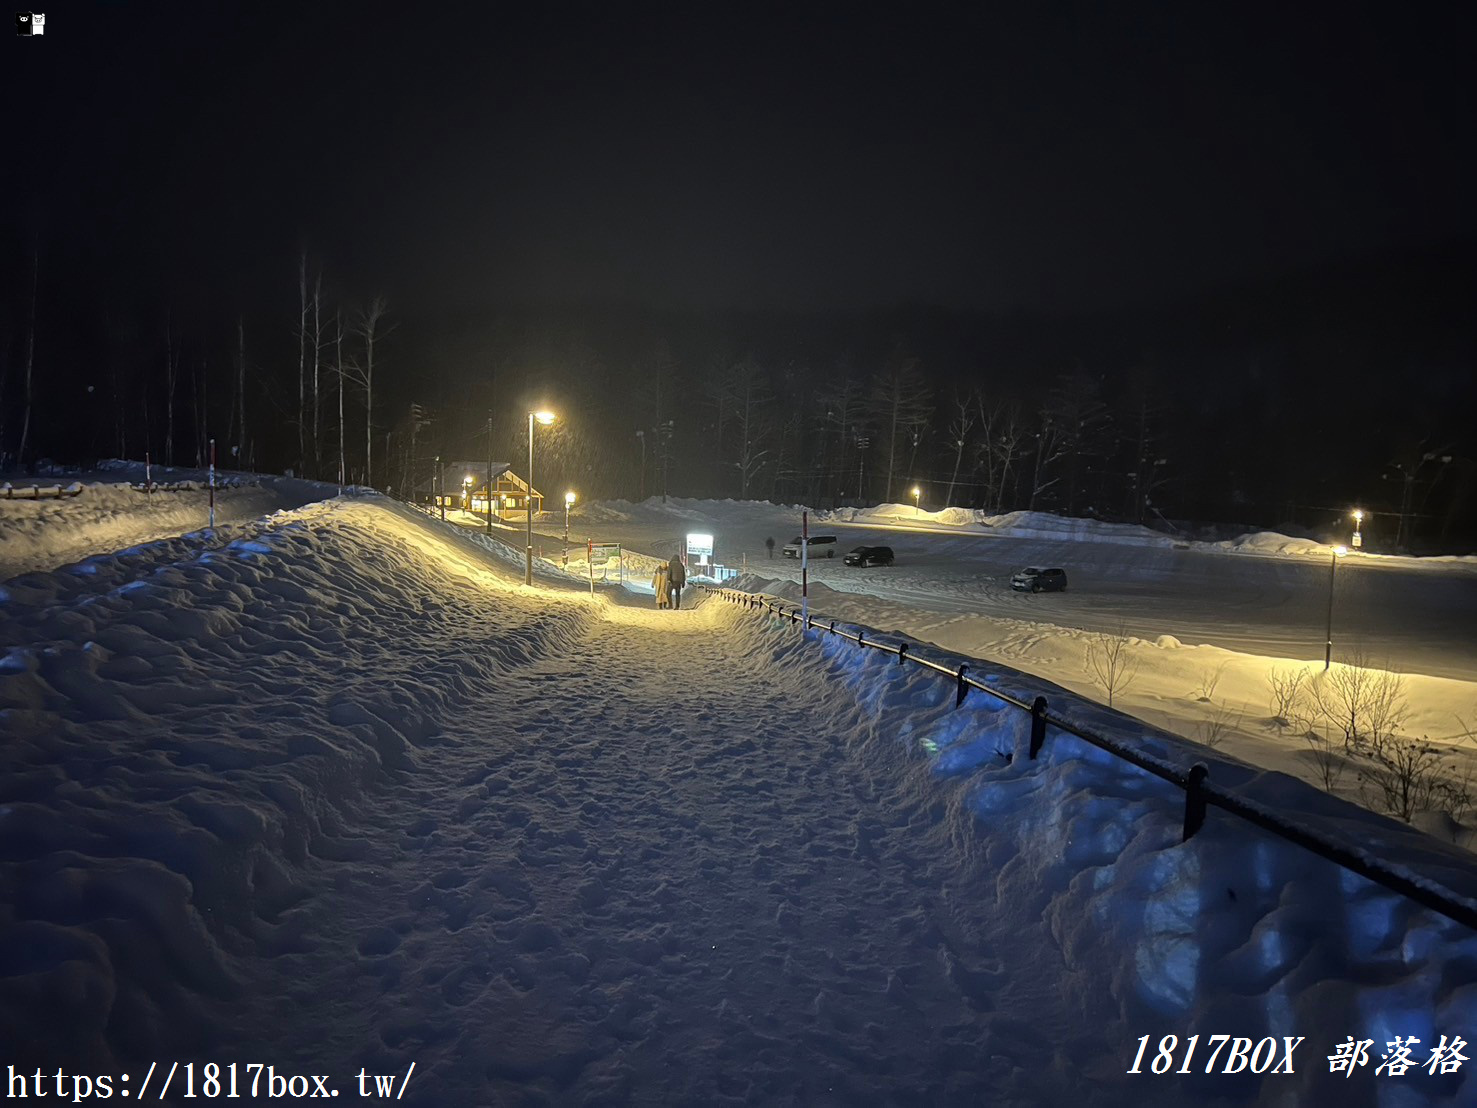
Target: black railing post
[
  {"x": 1195, "y": 800},
  {"x": 963, "y": 689},
  {"x": 902, "y": 653},
  {"x": 833, "y": 627},
  {"x": 1038, "y": 726},
  {"x": 861, "y": 639}
]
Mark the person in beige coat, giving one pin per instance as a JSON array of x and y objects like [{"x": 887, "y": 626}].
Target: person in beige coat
[{"x": 659, "y": 586}]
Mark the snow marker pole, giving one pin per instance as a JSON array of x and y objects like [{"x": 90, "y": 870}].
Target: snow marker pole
[
  {"x": 212, "y": 484},
  {"x": 148, "y": 476}
]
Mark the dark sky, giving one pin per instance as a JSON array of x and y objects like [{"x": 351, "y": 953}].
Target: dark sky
[{"x": 1055, "y": 156}]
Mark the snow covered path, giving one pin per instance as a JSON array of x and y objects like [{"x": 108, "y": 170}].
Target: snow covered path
[
  {"x": 341, "y": 793},
  {"x": 612, "y": 890}
]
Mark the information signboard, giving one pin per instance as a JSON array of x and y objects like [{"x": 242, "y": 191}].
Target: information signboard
[
  {"x": 700, "y": 547},
  {"x": 605, "y": 553}
]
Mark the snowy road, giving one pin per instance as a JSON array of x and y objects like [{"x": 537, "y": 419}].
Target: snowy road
[
  {"x": 335, "y": 791},
  {"x": 1418, "y": 615}
]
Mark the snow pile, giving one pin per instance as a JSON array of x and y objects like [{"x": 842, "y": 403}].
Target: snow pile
[
  {"x": 335, "y": 790},
  {"x": 1270, "y": 542},
  {"x": 1040, "y": 525}
]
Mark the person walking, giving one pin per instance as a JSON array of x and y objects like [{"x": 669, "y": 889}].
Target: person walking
[
  {"x": 769, "y": 545},
  {"x": 676, "y": 578},
  {"x": 659, "y": 586}
]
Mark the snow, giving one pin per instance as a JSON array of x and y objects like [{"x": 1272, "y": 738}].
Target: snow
[
  {"x": 113, "y": 510},
  {"x": 330, "y": 788}
]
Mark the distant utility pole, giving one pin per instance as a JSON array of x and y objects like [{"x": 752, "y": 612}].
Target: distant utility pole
[
  {"x": 666, "y": 441},
  {"x": 489, "y": 473}
]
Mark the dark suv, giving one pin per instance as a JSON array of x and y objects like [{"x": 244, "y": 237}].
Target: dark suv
[
  {"x": 869, "y": 556},
  {"x": 1032, "y": 579}
]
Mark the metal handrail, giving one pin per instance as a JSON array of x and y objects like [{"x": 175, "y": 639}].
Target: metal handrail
[{"x": 1199, "y": 791}]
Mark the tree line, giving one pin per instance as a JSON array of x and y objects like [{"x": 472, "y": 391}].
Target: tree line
[{"x": 344, "y": 388}]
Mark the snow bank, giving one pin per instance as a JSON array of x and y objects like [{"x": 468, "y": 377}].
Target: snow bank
[{"x": 107, "y": 516}]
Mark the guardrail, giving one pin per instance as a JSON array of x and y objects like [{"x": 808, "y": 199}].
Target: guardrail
[
  {"x": 1199, "y": 791},
  {"x": 39, "y": 492}
]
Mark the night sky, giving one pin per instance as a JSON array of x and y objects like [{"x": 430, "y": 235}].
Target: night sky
[
  {"x": 1056, "y": 156},
  {"x": 1058, "y": 160}
]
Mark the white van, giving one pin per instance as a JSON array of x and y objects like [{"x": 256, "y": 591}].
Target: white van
[{"x": 821, "y": 546}]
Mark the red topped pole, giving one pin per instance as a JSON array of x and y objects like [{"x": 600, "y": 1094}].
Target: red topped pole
[{"x": 804, "y": 570}]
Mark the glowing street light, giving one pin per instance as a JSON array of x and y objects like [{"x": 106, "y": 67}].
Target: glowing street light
[
  {"x": 467, "y": 493},
  {"x": 1358, "y": 519},
  {"x": 568, "y": 503},
  {"x": 917, "y": 501},
  {"x": 1333, "y": 568},
  {"x": 545, "y": 418}
]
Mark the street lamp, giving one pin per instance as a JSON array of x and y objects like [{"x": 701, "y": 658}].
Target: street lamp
[
  {"x": 1333, "y": 568},
  {"x": 917, "y": 495},
  {"x": 545, "y": 418},
  {"x": 568, "y": 502},
  {"x": 467, "y": 493},
  {"x": 1358, "y": 538}
]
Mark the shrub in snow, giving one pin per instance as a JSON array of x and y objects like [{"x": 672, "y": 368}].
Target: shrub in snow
[
  {"x": 1366, "y": 704},
  {"x": 1110, "y": 662},
  {"x": 1286, "y": 695}
]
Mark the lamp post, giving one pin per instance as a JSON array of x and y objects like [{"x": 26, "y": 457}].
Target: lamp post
[
  {"x": 917, "y": 501},
  {"x": 1358, "y": 540},
  {"x": 467, "y": 493},
  {"x": 568, "y": 503},
  {"x": 1333, "y": 568},
  {"x": 545, "y": 418}
]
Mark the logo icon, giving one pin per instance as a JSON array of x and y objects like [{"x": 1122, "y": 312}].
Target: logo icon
[{"x": 30, "y": 23}]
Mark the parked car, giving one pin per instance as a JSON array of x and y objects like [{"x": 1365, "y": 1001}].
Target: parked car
[
  {"x": 1032, "y": 579},
  {"x": 821, "y": 546},
  {"x": 869, "y": 556}
]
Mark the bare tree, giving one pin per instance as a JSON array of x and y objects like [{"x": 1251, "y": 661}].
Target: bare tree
[
  {"x": 369, "y": 328},
  {"x": 1080, "y": 419},
  {"x": 1110, "y": 661},
  {"x": 959, "y": 428},
  {"x": 900, "y": 404},
  {"x": 241, "y": 391},
  {"x": 1413, "y": 460},
  {"x": 1002, "y": 439},
  {"x": 302, "y": 360},
  {"x": 317, "y": 359},
  {"x": 171, "y": 379},
  {"x": 30, "y": 352},
  {"x": 202, "y": 420},
  {"x": 1049, "y": 449},
  {"x": 751, "y": 422},
  {"x": 1144, "y": 417},
  {"x": 341, "y": 371},
  {"x": 843, "y": 407}
]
